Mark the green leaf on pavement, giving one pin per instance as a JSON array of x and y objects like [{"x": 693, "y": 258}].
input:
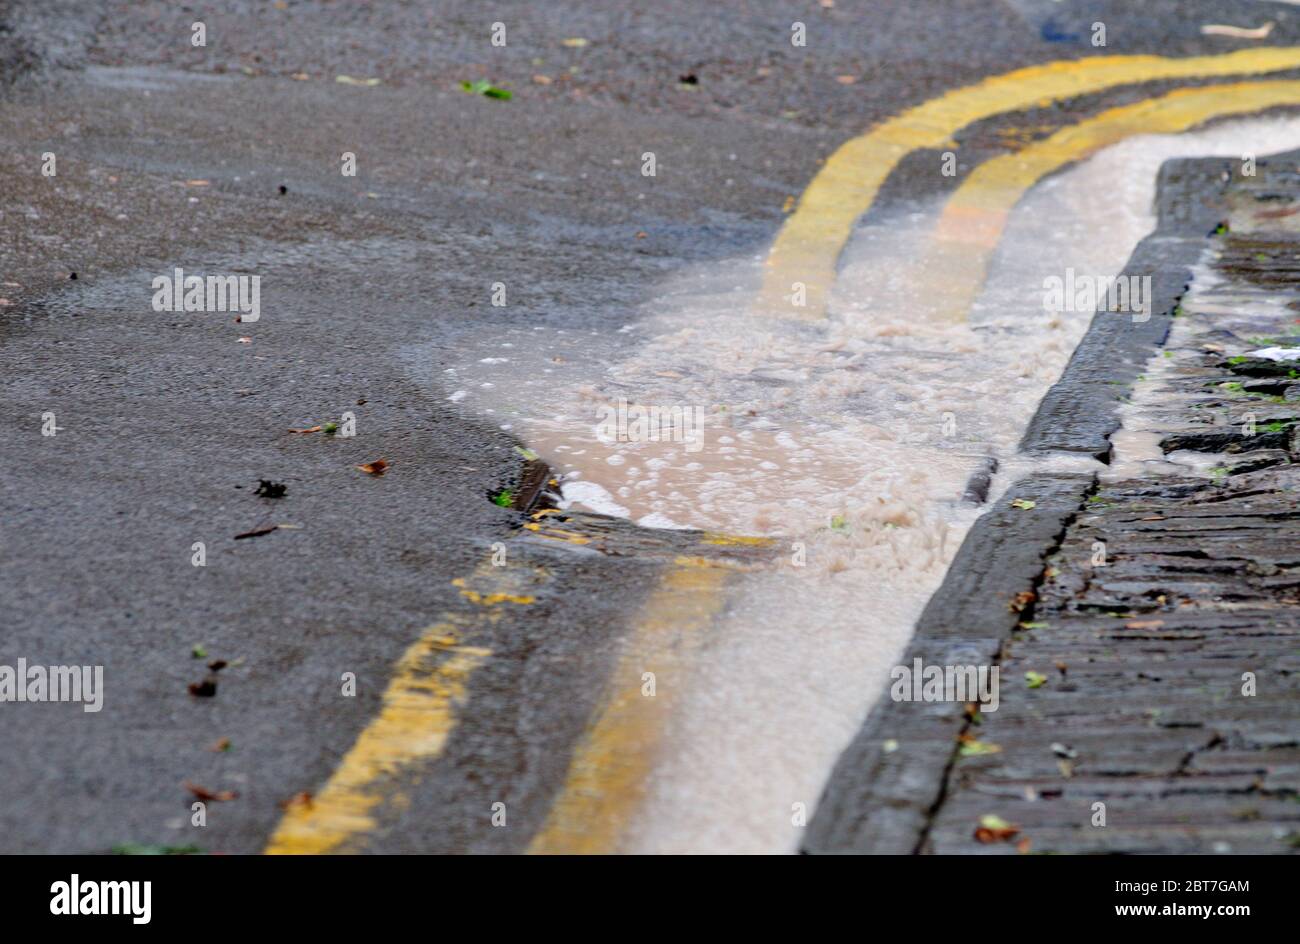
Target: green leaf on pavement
[
  {"x": 978, "y": 748},
  {"x": 484, "y": 87}
]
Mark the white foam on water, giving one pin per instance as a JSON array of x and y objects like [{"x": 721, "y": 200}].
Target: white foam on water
[{"x": 853, "y": 437}]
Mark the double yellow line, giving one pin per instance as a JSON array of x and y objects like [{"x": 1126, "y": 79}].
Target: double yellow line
[
  {"x": 417, "y": 716},
  {"x": 975, "y": 216},
  {"x": 808, "y": 246},
  {"x": 608, "y": 771}
]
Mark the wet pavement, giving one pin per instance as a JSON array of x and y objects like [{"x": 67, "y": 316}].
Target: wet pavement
[
  {"x": 494, "y": 648},
  {"x": 1146, "y": 646}
]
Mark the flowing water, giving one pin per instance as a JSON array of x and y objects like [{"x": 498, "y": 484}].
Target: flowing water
[{"x": 852, "y": 438}]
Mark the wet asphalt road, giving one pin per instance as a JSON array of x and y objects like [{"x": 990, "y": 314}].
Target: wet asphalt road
[{"x": 167, "y": 422}]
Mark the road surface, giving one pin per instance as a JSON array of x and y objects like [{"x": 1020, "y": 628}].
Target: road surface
[{"x": 836, "y": 266}]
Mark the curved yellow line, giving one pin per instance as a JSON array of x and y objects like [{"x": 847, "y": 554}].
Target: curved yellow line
[
  {"x": 808, "y": 246},
  {"x": 428, "y": 688},
  {"x": 975, "y": 216},
  {"x": 609, "y": 770}
]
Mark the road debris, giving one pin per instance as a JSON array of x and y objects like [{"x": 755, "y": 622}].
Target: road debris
[
  {"x": 299, "y": 801},
  {"x": 209, "y": 796},
  {"x": 257, "y": 532},
  {"x": 995, "y": 829},
  {"x": 1237, "y": 32},
  {"x": 1277, "y": 353},
  {"x": 973, "y": 747},
  {"x": 1022, "y": 600},
  {"x": 486, "y": 88},
  {"x": 268, "y": 489}
]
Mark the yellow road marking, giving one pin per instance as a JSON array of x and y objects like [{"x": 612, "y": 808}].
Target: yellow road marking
[
  {"x": 608, "y": 771},
  {"x": 418, "y": 715},
  {"x": 490, "y": 598},
  {"x": 556, "y": 534},
  {"x": 607, "y": 774},
  {"x": 971, "y": 226},
  {"x": 735, "y": 540},
  {"x": 808, "y": 246}
]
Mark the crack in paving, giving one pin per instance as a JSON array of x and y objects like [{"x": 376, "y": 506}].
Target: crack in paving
[{"x": 904, "y": 785}]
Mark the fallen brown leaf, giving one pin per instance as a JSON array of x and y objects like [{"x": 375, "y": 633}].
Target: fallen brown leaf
[
  {"x": 1022, "y": 600},
  {"x": 309, "y": 429},
  {"x": 209, "y": 796},
  {"x": 298, "y": 801},
  {"x": 987, "y": 836},
  {"x": 378, "y": 467}
]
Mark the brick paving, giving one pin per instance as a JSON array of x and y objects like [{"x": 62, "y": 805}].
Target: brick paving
[
  {"x": 1123, "y": 682},
  {"x": 1141, "y": 706}
]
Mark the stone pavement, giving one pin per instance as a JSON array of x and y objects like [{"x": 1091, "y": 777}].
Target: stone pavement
[{"x": 1145, "y": 621}]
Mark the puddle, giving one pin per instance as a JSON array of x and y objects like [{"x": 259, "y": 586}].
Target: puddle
[
  {"x": 853, "y": 438},
  {"x": 1211, "y": 307}
]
